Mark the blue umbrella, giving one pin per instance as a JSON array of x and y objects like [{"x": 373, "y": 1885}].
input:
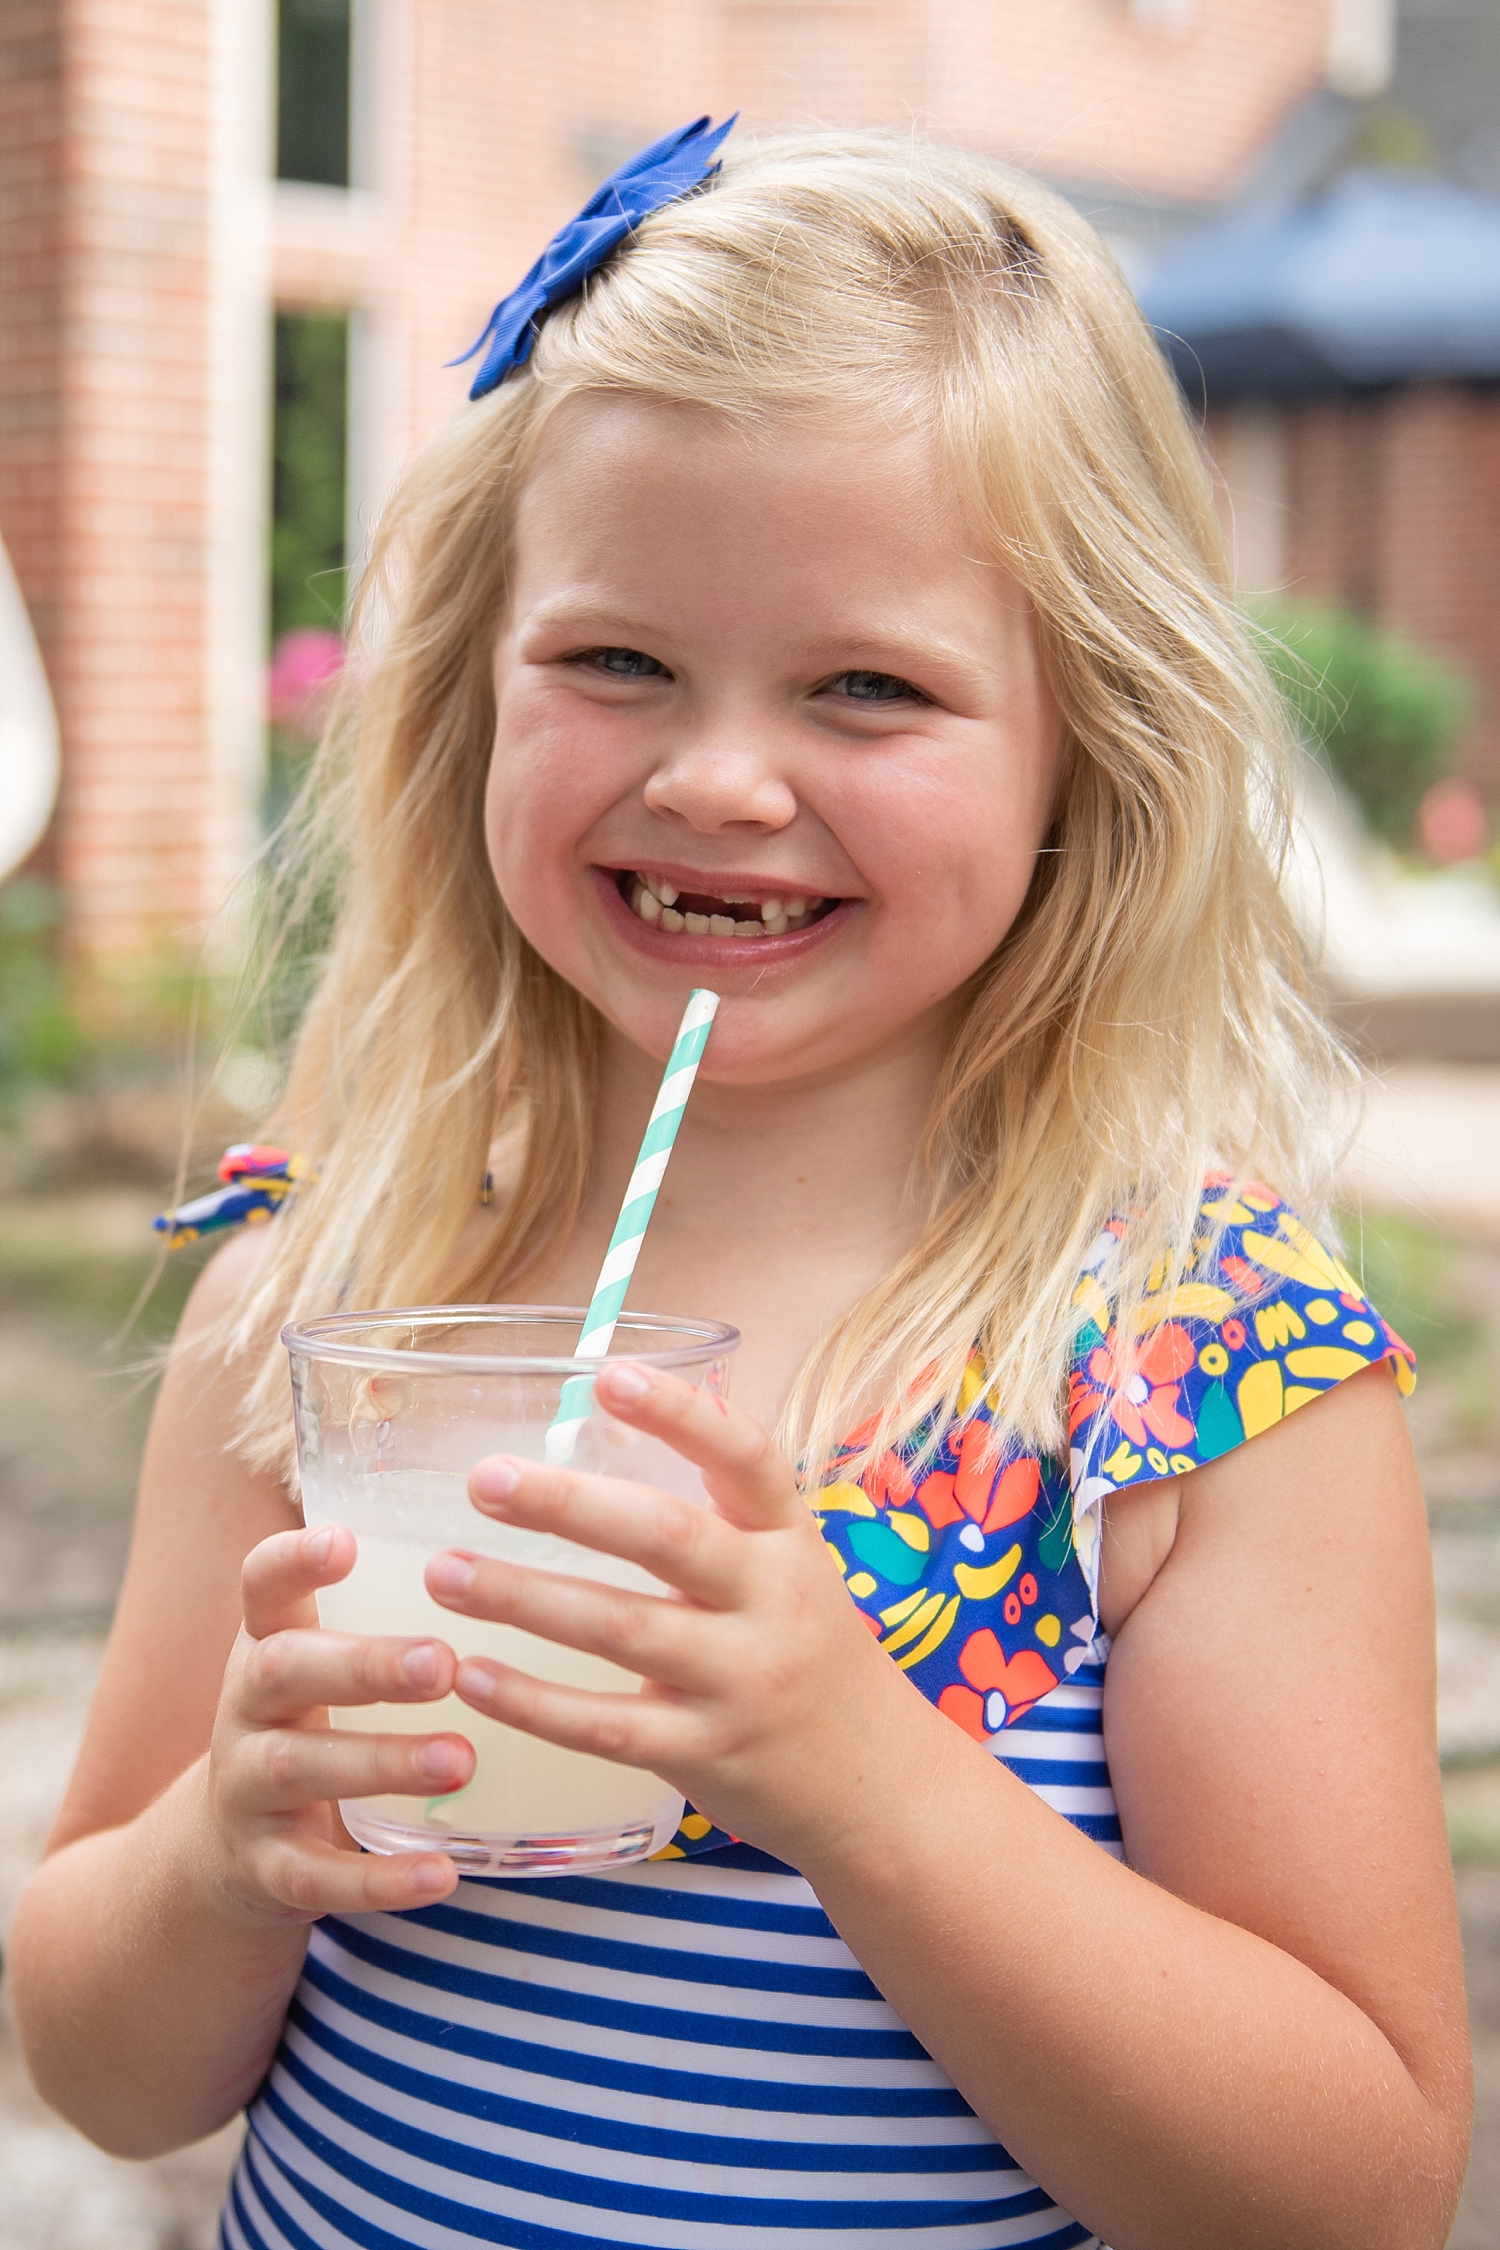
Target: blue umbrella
[{"x": 1387, "y": 277}]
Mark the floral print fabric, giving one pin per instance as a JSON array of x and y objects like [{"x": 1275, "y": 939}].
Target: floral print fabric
[{"x": 977, "y": 1571}]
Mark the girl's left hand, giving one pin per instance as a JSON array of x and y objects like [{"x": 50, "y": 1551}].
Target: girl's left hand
[{"x": 766, "y": 1699}]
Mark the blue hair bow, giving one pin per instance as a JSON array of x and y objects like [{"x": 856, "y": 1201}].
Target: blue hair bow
[{"x": 654, "y": 176}]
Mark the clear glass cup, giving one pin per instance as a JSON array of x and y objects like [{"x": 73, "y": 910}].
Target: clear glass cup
[{"x": 393, "y": 1409}]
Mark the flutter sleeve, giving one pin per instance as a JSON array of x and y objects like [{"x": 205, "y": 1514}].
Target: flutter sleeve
[{"x": 1274, "y": 1320}]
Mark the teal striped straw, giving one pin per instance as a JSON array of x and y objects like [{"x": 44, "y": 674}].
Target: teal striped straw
[{"x": 630, "y": 1227}]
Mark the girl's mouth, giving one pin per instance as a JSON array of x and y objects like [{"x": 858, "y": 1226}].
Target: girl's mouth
[{"x": 762, "y": 914}]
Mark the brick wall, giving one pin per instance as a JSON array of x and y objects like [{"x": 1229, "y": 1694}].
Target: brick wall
[
  {"x": 488, "y": 121},
  {"x": 136, "y": 491},
  {"x": 1394, "y": 509},
  {"x": 516, "y": 111},
  {"x": 31, "y": 315},
  {"x": 104, "y": 480}
]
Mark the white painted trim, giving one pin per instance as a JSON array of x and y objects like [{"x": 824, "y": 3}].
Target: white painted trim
[
  {"x": 243, "y": 141},
  {"x": 1361, "y": 46},
  {"x": 28, "y": 729}
]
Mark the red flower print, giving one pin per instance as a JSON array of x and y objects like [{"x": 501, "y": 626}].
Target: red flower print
[
  {"x": 888, "y": 1482},
  {"x": 936, "y": 1500},
  {"x": 1083, "y": 1400},
  {"x": 1142, "y": 1398},
  {"x": 965, "y": 1709},
  {"x": 973, "y": 1490},
  {"x": 1015, "y": 1494},
  {"x": 1009, "y": 1685}
]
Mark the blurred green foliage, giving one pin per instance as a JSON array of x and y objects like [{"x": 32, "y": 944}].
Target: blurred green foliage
[
  {"x": 308, "y": 483},
  {"x": 1472, "y": 1800},
  {"x": 89, "y": 1254},
  {"x": 1415, "y": 1274},
  {"x": 1383, "y": 715},
  {"x": 41, "y": 1043}
]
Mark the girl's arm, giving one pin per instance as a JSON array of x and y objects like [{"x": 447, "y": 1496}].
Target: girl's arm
[
  {"x": 154, "y": 1951},
  {"x": 1256, "y": 2034},
  {"x": 1251, "y": 2036}
]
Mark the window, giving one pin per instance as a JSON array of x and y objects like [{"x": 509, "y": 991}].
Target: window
[
  {"x": 308, "y": 448},
  {"x": 312, "y": 91}
]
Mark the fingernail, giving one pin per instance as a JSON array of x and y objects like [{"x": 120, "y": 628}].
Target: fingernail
[
  {"x": 430, "y": 1875},
  {"x": 625, "y": 1384},
  {"x": 450, "y": 1574},
  {"x": 419, "y": 1666},
  {"x": 441, "y": 1761},
  {"x": 317, "y": 1543},
  {"x": 495, "y": 1480},
  {"x": 473, "y": 1682}
]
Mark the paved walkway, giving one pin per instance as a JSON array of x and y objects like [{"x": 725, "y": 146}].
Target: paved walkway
[{"x": 1430, "y": 1143}]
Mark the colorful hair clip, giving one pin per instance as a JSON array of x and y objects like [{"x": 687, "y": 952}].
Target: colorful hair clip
[
  {"x": 257, "y": 1180},
  {"x": 655, "y": 176}
]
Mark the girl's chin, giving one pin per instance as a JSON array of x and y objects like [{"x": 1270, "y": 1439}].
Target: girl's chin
[{"x": 725, "y": 958}]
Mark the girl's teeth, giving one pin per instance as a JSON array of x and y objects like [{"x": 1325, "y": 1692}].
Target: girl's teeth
[{"x": 654, "y": 900}]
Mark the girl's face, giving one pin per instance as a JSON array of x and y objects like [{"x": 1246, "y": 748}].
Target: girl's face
[{"x": 766, "y": 725}]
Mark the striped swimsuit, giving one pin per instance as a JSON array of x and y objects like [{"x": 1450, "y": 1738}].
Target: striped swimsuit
[{"x": 684, "y": 2055}]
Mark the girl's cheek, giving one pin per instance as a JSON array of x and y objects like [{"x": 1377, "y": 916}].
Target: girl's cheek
[{"x": 557, "y": 763}]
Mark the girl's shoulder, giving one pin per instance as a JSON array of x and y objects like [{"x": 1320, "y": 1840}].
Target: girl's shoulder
[
  {"x": 974, "y": 1557},
  {"x": 1264, "y": 1319}
]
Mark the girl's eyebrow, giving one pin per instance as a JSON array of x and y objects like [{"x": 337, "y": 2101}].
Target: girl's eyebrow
[
  {"x": 895, "y": 650},
  {"x": 578, "y": 614}
]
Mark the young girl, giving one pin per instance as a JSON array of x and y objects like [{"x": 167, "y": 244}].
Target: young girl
[{"x": 827, "y": 607}]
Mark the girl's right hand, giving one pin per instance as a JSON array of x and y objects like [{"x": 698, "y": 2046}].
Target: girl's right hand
[{"x": 276, "y": 1769}]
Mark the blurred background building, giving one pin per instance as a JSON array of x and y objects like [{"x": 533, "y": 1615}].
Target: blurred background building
[{"x": 239, "y": 240}]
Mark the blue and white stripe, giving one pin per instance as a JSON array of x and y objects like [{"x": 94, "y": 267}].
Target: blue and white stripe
[
  {"x": 630, "y": 1228},
  {"x": 682, "y": 2055}
]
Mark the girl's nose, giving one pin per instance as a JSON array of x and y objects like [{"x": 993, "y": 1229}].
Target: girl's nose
[{"x": 716, "y": 785}]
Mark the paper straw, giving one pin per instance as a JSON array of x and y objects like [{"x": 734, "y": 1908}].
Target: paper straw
[{"x": 630, "y": 1227}]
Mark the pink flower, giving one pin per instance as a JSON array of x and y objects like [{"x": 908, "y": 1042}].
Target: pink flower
[{"x": 303, "y": 664}]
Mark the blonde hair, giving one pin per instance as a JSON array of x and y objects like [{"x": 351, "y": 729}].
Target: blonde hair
[{"x": 1147, "y": 1019}]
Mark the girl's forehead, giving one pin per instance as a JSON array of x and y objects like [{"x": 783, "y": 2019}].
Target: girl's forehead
[
  {"x": 643, "y": 516},
  {"x": 621, "y": 483},
  {"x": 623, "y": 434}
]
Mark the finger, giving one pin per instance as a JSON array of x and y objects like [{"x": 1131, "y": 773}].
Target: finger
[
  {"x": 287, "y": 1673},
  {"x": 631, "y": 1730},
  {"x": 686, "y": 1545},
  {"x": 318, "y": 1878},
  {"x": 286, "y": 1768},
  {"x": 657, "y": 1638},
  {"x": 281, "y": 1575},
  {"x": 745, "y": 1472}
]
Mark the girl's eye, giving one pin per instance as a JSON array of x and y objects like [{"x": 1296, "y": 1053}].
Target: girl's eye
[
  {"x": 875, "y": 687},
  {"x": 625, "y": 663}
]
